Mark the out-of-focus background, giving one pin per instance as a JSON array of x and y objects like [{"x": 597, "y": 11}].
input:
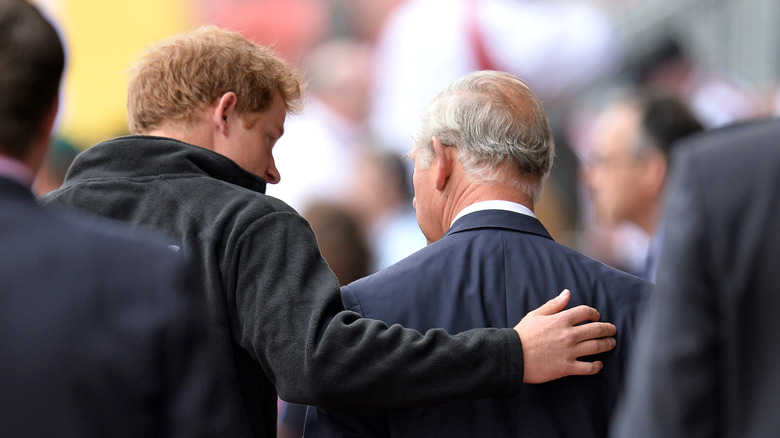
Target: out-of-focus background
[{"x": 372, "y": 65}]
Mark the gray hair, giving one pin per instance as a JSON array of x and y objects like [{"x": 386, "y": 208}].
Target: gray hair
[{"x": 498, "y": 126}]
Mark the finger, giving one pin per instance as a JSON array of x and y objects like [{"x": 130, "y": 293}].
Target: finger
[
  {"x": 594, "y": 346},
  {"x": 580, "y": 314},
  {"x": 553, "y": 306},
  {"x": 579, "y": 368},
  {"x": 593, "y": 330}
]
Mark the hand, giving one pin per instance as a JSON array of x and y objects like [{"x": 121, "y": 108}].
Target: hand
[{"x": 552, "y": 340}]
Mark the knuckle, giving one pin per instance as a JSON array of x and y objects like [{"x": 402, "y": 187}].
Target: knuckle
[
  {"x": 569, "y": 337},
  {"x": 605, "y": 329},
  {"x": 599, "y": 329}
]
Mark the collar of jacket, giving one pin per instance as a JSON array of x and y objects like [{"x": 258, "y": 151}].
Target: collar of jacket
[
  {"x": 499, "y": 219},
  {"x": 141, "y": 155}
]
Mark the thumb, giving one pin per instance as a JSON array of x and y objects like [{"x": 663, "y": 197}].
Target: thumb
[{"x": 555, "y": 305}]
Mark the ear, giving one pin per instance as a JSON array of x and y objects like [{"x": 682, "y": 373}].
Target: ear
[
  {"x": 226, "y": 106},
  {"x": 444, "y": 162},
  {"x": 655, "y": 172}
]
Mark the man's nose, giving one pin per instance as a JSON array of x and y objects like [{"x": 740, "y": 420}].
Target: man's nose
[{"x": 272, "y": 175}]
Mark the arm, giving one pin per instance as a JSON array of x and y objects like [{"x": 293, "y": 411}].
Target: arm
[
  {"x": 294, "y": 323},
  {"x": 551, "y": 337}
]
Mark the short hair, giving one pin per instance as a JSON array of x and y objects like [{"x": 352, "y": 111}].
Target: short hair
[
  {"x": 183, "y": 74},
  {"x": 32, "y": 61},
  {"x": 664, "y": 120},
  {"x": 494, "y": 119}
]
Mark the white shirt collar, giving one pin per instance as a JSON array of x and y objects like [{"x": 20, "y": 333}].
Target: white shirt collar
[{"x": 494, "y": 205}]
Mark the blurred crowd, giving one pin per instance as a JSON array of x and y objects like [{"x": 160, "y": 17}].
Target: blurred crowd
[{"x": 372, "y": 65}]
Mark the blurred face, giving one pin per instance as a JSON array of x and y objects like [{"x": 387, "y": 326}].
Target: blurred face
[
  {"x": 424, "y": 182},
  {"x": 613, "y": 172},
  {"x": 254, "y": 139}
]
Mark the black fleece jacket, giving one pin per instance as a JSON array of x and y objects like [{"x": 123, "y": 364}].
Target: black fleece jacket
[{"x": 275, "y": 305}]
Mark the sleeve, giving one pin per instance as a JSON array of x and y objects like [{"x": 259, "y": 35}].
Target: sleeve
[
  {"x": 294, "y": 324},
  {"x": 672, "y": 380}
]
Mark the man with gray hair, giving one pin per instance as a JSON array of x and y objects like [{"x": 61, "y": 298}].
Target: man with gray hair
[{"x": 481, "y": 153}]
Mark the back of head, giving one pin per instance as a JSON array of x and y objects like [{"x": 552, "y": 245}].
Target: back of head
[
  {"x": 341, "y": 240},
  {"x": 181, "y": 75},
  {"x": 499, "y": 127},
  {"x": 32, "y": 60},
  {"x": 665, "y": 119}
]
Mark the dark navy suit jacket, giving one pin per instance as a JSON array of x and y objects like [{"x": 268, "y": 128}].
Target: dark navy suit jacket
[
  {"x": 489, "y": 270},
  {"x": 101, "y": 333}
]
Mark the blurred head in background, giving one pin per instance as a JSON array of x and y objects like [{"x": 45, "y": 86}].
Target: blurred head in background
[
  {"x": 32, "y": 61},
  {"x": 633, "y": 141}
]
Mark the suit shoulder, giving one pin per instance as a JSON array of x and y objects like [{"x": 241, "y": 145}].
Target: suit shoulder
[
  {"x": 586, "y": 267},
  {"x": 106, "y": 242},
  {"x": 405, "y": 284}
]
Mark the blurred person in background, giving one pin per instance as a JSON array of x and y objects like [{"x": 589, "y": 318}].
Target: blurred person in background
[
  {"x": 323, "y": 145},
  {"x": 481, "y": 153},
  {"x": 341, "y": 240},
  {"x": 714, "y": 97},
  {"x": 291, "y": 27},
  {"x": 103, "y": 331},
  {"x": 557, "y": 47},
  {"x": 704, "y": 363},
  {"x": 55, "y": 166},
  {"x": 382, "y": 201},
  {"x": 205, "y": 109},
  {"x": 626, "y": 173},
  {"x": 362, "y": 19},
  {"x": 328, "y": 155}
]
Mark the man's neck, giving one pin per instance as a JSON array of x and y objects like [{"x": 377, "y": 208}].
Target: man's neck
[
  {"x": 648, "y": 218},
  {"x": 480, "y": 193},
  {"x": 194, "y": 134}
]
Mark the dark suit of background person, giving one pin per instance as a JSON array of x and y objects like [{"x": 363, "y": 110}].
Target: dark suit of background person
[
  {"x": 100, "y": 334},
  {"x": 706, "y": 357},
  {"x": 490, "y": 267}
]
